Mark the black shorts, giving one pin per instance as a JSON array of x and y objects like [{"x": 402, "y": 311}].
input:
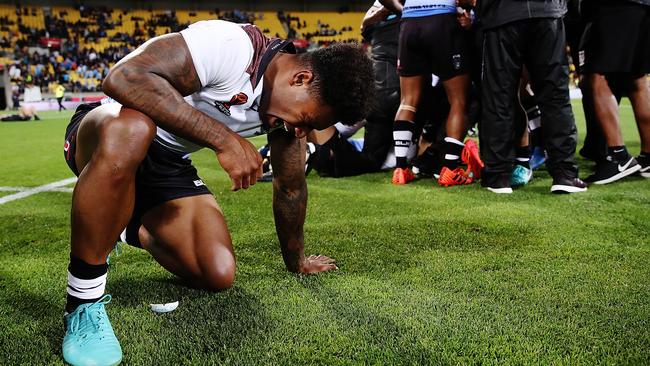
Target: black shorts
[
  {"x": 163, "y": 175},
  {"x": 616, "y": 38},
  {"x": 435, "y": 44}
]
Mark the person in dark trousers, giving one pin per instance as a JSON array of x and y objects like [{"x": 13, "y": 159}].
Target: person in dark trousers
[
  {"x": 617, "y": 44},
  {"x": 514, "y": 34}
]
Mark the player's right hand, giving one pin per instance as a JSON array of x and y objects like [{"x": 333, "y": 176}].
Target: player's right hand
[
  {"x": 317, "y": 264},
  {"x": 241, "y": 160}
]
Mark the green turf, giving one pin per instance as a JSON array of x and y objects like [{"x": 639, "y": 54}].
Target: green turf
[{"x": 427, "y": 275}]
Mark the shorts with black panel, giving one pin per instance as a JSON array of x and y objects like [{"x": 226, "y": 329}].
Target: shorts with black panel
[
  {"x": 616, "y": 38},
  {"x": 163, "y": 175},
  {"x": 435, "y": 44}
]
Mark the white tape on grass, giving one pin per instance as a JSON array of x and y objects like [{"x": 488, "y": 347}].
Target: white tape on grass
[{"x": 51, "y": 187}]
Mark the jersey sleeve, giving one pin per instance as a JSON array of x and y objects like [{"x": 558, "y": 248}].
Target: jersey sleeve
[{"x": 221, "y": 52}]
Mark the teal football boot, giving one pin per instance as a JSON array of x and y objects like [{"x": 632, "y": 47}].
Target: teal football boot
[
  {"x": 520, "y": 176},
  {"x": 89, "y": 338}
]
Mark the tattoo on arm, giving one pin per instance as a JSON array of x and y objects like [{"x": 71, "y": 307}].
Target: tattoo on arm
[
  {"x": 289, "y": 195},
  {"x": 153, "y": 80}
]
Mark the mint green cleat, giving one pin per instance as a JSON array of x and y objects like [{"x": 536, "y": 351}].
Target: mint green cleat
[
  {"x": 520, "y": 176},
  {"x": 89, "y": 338}
]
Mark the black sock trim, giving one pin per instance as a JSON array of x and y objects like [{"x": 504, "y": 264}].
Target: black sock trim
[
  {"x": 403, "y": 125},
  {"x": 85, "y": 271},
  {"x": 71, "y": 302}
]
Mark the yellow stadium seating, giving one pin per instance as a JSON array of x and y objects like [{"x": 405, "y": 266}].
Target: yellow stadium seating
[{"x": 267, "y": 21}]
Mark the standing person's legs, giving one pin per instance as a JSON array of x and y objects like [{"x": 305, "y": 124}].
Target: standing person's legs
[
  {"x": 501, "y": 72},
  {"x": 404, "y": 127},
  {"x": 618, "y": 44},
  {"x": 411, "y": 91},
  {"x": 413, "y": 64},
  {"x": 605, "y": 108},
  {"x": 521, "y": 173},
  {"x": 456, "y": 89},
  {"x": 547, "y": 64},
  {"x": 549, "y": 73},
  {"x": 640, "y": 98}
]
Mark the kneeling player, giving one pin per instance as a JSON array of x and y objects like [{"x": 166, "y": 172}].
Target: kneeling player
[{"x": 207, "y": 86}]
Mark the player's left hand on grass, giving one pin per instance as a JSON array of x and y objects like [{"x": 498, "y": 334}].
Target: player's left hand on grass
[{"x": 317, "y": 264}]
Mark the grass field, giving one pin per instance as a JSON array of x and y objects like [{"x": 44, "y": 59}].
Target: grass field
[{"x": 427, "y": 275}]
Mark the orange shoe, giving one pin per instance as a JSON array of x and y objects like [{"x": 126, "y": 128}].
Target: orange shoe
[
  {"x": 472, "y": 158},
  {"x": 456, "y": 177},
  {"x": 402, "y": 176}
]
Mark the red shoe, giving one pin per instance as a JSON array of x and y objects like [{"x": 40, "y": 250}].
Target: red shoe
[
  {"x": 456, "y": 177},
  {"x": 402, "y": 176},
  {"x": 472, "y": 158}
]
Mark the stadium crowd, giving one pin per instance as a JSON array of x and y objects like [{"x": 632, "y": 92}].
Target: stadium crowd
[{"x": 80, "y": 68}]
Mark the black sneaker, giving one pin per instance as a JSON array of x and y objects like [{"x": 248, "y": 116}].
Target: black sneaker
[
  {"x": 644, "y": 161},
  {"x": 427, "y": 165},
  {"x": 610, "y": 170},
  {"x": 564, "y": 184},
  {"x": 499, "y": 184}
]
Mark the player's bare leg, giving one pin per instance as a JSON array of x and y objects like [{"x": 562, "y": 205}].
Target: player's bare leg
[
  {"x": 111, "y": 142},
  {"x": 189, "y": 237},
  {"x": 411, "y": 92},
  {"x": 457, "y": 89},
  {"x": 619, "y": 163}
]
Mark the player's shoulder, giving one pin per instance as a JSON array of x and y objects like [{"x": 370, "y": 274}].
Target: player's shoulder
[{"x": 216, "y": 28}]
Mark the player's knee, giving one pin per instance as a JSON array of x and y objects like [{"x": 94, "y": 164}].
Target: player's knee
[
  {"x": 126, "y": 139},
  {"x": 131, "y": 127},
  {"x": 221, "y": 274}
]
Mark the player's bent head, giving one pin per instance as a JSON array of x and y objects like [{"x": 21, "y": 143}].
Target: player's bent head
[{"x": 343, "y": 80}]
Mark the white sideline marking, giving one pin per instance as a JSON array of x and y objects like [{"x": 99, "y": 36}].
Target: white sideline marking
[
  {"x": 26, "y": 192},
  {"x": 21, "y": 189}
]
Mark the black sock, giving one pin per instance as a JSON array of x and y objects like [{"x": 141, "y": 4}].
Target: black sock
[
  {"x": 644, "y": 155},
  {"x": 618, "y": 152},
  {"x": 86, "y": 282},
  {"x": 451, "y": 150},
  {"x": 536, "y": 137},
  {"x": 523, "y": 156},
  {"x": 402, "y": 135}
]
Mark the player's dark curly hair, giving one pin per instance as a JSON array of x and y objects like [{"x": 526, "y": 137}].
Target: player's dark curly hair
[{"x": 343, "y": 79}]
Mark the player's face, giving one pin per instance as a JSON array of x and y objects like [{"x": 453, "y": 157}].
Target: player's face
[{"x": 294, "y": 107}]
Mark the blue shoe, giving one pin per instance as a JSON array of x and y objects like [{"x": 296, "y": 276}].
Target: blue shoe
[
  {"x": 89, "y": 337},
  {"x": 537, "y": 158},
  {"x": 520, "y": 176}
]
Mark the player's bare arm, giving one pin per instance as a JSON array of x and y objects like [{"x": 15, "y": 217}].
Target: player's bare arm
[
  {"x": 393, "y": 5},
  {"x": 290, "y": 203},
  {"x": 153, "y": 80},
  {"x": 374, "y": 15}
]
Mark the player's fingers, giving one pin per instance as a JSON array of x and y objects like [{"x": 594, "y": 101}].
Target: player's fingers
[
  {"x": 328, "y": 267},
  {"x": 236, "y": 183},
  {"x": 326, "y": 260},
  {"x": 260, "y": 171},
  {"x": 245, "y": 181}
]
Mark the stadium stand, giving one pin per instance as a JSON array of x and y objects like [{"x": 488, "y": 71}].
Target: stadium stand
[{"x": 51, "y": 45}]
